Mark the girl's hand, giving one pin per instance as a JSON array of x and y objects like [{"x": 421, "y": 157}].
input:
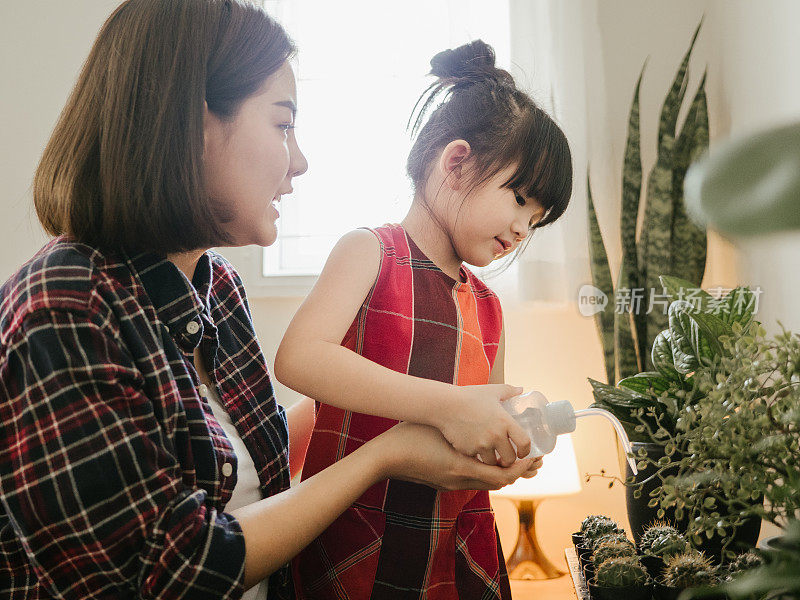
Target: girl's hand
[
  {"x": 421, "y": 454},
  {"x": 476, "y": 424}
]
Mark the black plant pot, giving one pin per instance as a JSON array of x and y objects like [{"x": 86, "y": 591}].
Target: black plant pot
[
  {"x": 584, "y": 554},
  {"x": 588, "y": 571},
  {"x": 643, "y": 592},
  {"x": 641, "y": 516},
  {"x": 577, "y": 538},
  {"x": 664, "y": 592}
]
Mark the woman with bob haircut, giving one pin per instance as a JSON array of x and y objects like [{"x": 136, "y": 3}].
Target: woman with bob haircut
[{"x": 142, "y": 452}]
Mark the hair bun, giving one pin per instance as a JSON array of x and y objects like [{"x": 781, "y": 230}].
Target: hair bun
[{"x": 471, "y": 61}]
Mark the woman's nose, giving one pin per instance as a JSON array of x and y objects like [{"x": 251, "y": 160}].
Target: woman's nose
[{"x": 298, "y": 164}]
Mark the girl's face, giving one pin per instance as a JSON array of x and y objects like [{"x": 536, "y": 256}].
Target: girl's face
[
  {"x": 250, "y": 162},
  {"x": 492, "y": 221}
]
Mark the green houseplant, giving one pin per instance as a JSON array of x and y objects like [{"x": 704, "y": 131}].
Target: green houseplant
[
  {"x": 669, "y": 243},
  {"x": 740, "y": 441},
  {"x": 650, "y": 404}
]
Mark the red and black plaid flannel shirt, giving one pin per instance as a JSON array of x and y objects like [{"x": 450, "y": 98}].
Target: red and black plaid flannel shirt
[{"x": 113, "y": 471}]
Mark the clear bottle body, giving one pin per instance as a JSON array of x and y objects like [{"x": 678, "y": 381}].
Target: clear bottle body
[{"x": 529, "y": 411}]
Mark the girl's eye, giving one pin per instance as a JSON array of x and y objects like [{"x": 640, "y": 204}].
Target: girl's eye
[
  {"x": 286, "y": 127},
  {"x": 520, "y": 200}
]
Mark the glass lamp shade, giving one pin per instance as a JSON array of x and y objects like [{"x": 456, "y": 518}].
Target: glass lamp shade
[{"x": 557, "y": 477}]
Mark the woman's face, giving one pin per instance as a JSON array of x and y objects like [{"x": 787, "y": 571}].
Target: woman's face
[{"x": 250, "y": 162}]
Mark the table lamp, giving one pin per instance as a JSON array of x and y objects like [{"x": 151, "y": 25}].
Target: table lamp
[{"x": 557, "y": 477}]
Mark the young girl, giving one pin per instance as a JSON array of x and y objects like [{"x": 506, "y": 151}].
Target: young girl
[{"x": 398, "y": 329}]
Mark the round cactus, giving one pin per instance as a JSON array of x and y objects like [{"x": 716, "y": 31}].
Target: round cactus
[
  {"x": 598, "y": 528},
  {"x": 614, "y": 536},
  {"x": 612, "y": 549},
  {"x": 623, "y": 571},
  {"x": 662, "y": 540},
  {"x": 690, "y": 569},
  {"x": 588, "y": 521},
  {"x": 744, "y": 562}
]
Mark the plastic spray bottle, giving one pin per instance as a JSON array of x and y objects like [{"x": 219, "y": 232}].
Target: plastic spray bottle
[{"x": 544, "y": 421}]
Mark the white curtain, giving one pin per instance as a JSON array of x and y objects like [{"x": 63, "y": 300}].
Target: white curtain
[{"x": 548, "y": 45}]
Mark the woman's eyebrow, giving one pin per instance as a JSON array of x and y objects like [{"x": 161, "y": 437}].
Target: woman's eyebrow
[{"x": 287, "y": 104}]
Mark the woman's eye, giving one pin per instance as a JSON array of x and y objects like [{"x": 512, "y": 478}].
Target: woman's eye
[
  {"x": 286, "y": 127},
  {"x": 520, "y": 200}
]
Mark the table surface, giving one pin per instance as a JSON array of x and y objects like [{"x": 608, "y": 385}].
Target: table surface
[
  {"x": 560, "y": 588},
  {"x": 567, "y": 587}
]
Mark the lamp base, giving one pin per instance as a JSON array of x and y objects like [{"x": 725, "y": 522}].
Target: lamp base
[{"x": 528, "y": 561}]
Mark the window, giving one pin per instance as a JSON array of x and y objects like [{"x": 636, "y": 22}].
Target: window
[{"x": 360, "y": 67}]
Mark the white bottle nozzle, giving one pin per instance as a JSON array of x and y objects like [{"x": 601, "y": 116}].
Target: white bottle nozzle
[{"x": 560, "y": 416}]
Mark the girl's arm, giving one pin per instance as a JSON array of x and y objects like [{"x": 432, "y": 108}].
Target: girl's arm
[
  {"x": 300, "y": 417},
  {"x": 279, "y": 527},
  {"x": 498, "y": 376},
  {"x": 312, "y": 361}
]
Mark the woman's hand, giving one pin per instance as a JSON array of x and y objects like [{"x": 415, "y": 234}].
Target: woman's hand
[
  {"x": 421, "y": 454},
  {"x": 475, "y": 424}
]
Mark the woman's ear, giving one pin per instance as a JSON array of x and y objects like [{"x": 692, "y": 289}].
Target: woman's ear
[{"x": 453, "y": 163}]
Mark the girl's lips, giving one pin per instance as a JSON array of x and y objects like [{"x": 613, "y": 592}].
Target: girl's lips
[{"x": 499, "y": 247}]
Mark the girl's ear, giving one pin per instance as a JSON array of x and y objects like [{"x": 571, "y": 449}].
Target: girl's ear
[{"x": 453, "y": 163}]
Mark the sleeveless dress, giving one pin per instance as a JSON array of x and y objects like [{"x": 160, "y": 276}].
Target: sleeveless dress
[{"x": 399, "y": 539}]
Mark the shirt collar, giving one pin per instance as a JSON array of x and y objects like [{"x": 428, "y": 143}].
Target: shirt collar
[{"x": 179, "y": 303}]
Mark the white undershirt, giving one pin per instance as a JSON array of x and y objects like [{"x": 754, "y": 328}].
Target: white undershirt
[{"x": 246, "y": 490}]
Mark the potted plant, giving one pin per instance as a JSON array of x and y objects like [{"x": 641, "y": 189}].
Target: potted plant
[
  {"x": 613, "y": 545},
  {"x": 650, "y": 404},
  {"x": 621, "y": 578},
  {"x": 738, "y": 442},
  {"x": 777, "y": 577},
  {"x": 659, "y": 542},
  {"x": 691, "y": 569}
]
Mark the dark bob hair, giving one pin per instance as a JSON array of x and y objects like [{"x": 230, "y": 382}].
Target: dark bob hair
[{"x": 123, "y": 167}]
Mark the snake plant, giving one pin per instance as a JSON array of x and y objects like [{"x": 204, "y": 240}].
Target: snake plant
[{"x": 668, "y": 244}]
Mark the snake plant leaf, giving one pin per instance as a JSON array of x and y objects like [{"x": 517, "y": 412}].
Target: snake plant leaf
[
  {"x": 674, "y": 99},
  {"x": 689, "y": 241},
  {"x": 647, "y": 383},
  {"x": 630, "y": 350},
  {"x": 601, "y": 277},
  {"x": 626, "y": 350},
  {"x": 661, "y": 356},
  {"x": 684, "y": 357},
  {"x": 655, "y": 247}
]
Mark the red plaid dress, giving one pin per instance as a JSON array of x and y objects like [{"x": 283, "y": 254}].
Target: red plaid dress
[{"x": 400, "y": 539}]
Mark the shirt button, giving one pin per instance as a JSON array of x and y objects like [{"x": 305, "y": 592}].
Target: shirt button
[
  {"x": 203, "y": 389},
  {"x": 192, "y": 327},
  {"x": 227, "y": 469}
]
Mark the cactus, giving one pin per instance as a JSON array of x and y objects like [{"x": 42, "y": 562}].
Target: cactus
[
  {"x": 744, "y": 562},
  {"x": 597, "y": 529},
  {"x": 592, "y": 519},
  {"x": 624, "y": 571},
  {"x": 612, "y": 537},
  {"x": 662, "y": 540},
  {"x": 669, "y": 244},
  {"x": 690, "y": 569},
  {"x": 612, "y": 549}
]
